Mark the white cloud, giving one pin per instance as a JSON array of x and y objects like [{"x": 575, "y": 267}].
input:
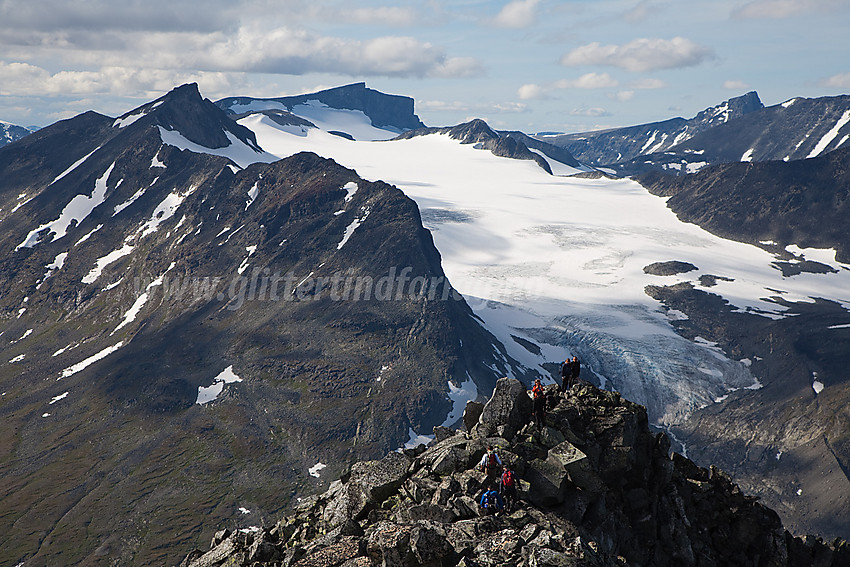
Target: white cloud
[
  {"x": 624, "y": 96},
  {"x": 648, "y": 83},
  {"x": 532, "y": 91},
  {"x": 735, "y": 85},
  {"x": 381, "y": 15},
  {"x": 779, "y": 9},
  {"x": 841, "y": 81},
  {"x": 644, "y": 54},
  {"x": 641, "y": 11},
  {"x": 517, "y": 14},
  {"x": 589, "y": 81},
  {"x": 592, "y": 112}
]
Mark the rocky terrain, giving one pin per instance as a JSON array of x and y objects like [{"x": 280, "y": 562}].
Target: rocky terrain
[{"x": 597, "y": 488}]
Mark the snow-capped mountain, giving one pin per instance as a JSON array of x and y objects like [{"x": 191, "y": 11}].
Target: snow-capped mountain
[
  {"x": 10, "y": 132},
  {"x": 387, "y": 112},
  {"x": 192, "y": 326},
  {"x": 738, "y": 130},
  {"x": 184, "y": 297},
  {"x": 618, "y": 145}
]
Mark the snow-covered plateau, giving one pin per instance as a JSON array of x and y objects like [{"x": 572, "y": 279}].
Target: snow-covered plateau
[{"x": 558, "y": 262}]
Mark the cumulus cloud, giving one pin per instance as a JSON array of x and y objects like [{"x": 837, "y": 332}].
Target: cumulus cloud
[
  {"x": 841, "y": 81},
  {"x": 779, "y": 9},
  {"x": 586, "y": 81},
  {"x": 592, "y": 112},
  {"x": 589, "y": 81},
  {"x": 532, "y": 91},
  {"x": 517, "y": 14},
  {"x": 644, "y": 54}
]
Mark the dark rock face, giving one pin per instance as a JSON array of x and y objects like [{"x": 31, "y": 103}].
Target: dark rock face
[
  {"x": 802, "y": 202},
  {"x": 384, "y": 110},
  {"x": 669, "y": 268},
  {"x": 508, "y": 409},
  {"x": 610, "y": 496}
]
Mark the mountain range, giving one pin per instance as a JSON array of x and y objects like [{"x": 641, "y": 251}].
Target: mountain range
[
  {"x": 211, "y": 309},
  {"x": 740, "y": 129}
]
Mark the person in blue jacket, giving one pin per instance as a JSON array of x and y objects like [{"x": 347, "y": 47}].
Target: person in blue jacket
[{"x": 491, "y": 503}]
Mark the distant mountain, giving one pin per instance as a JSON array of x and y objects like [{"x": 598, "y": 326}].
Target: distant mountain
[
  {"x": 607, "y": 147},
  {"x": 384, "y": 111},
  {"x": 186, "y": 334},
  {"x": 803, "y": 202},
  {"x": 514, "y": 145},
  {"x": 10, "y": 132}
]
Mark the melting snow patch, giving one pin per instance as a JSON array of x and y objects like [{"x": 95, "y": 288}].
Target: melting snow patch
[
  {"x": 416, "y": 439},
  {"x": 252, "y": 194},
  {"x": 74, "y": 165},
  {"x": 315, "y": 469},
  {"x": 131, "y": 313},
  {"x": 349, "y": 230},
  {"x": 830, "y": 136},
  {"x": 817, "y": 386},
  {"x": 77, "y": 210},
  {"x": 45, "y": 415},
  {"x": 18, "y": 358},
  {"x": 799, "y": 492},
  {"x": 748, "y": 155},
  {"x": 128, "y": 202},
  {"x": 165, "y": 210},
  {"x": 676, "y": 315},
  {"x": 209, "y": 393},
  {"x": 351, "y": 189},
  {"x": 778, "y": 455},
  {"x": 844, "y": 326},
  {"x": 244, "y": 265},
  {"x": 57, "y": 398},
  {"x": 105, "y": 261},
  {"x": 459, "y": 396},
  {"x": 244, "y": 510},
  {"x": 71, "y": 370}
]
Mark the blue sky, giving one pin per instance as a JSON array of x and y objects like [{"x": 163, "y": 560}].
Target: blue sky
[{"x": 531, "y": 65}]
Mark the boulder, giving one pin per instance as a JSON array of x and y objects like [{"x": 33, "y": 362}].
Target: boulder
[
  {"x": 579, "y": 470},
  {"x": 547, "y": 480},
  {"x": 471, "y": 413},
  {"x": 507, "y": 411}
]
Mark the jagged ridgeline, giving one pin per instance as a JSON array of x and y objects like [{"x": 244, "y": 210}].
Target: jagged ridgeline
[{"x": 597, "y": 488}]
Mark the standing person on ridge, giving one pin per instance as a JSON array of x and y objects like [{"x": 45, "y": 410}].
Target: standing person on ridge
[
  {"x": 539, "y": 403},
  {"x": 576, "y": 369},
  {"x": 566, "y": 375}
]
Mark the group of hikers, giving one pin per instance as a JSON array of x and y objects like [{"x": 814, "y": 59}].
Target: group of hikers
[{"x": 501, "y": 495}]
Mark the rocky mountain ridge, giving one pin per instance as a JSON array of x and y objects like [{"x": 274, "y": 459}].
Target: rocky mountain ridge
[
  {"x": 596, "y": 488},
  {"x": 619, "y": 145},
  {"x": 385, "y": 111}
]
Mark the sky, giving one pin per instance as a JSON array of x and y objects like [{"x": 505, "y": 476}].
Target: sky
[{"x": 530, "y": 65}]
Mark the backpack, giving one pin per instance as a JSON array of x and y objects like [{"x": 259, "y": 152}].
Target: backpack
[
  {"x": 491, "y": 461},
  {"x": 489, "y": 499},
  {"x": 507, "y": 479}
]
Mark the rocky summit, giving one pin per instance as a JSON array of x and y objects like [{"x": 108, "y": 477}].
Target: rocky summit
[{"x": 596, "y": 488}]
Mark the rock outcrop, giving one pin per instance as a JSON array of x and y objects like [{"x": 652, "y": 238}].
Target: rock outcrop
[{"x": 596, "y": 488}]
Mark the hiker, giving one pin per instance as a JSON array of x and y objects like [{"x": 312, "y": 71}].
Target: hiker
[
  {"x": 566, "y": 375},
  {"x": 539, "y": 397},
  {"x": 491, "y": 463},
  {"x": 507, "y": 487},
  {"x": 576, "y": 369},
  {"x": 491, "y": 503}
]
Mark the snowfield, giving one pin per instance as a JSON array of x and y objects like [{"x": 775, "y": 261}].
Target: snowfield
[{"x": 559, "y": 261}]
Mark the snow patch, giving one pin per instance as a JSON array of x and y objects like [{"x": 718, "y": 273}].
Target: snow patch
[
  {"x": 71, "y": 370},
  {"x": 830, "y": 136},
  {"x": 77, "y": 210},
  {"x": 104, "y": 261},
  {"x": 57, "y": 398},
  {"x": 210, "y": 393},
  {"x": 316, "y": 469},
  {"x": 459, "y": 396},
  {"x": 349, "y": 230},
  {"x": 415, "y": 439}
]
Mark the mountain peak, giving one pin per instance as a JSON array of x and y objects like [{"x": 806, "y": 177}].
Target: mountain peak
[
  {"x": 184, "y": 110},
  {"x": 384, "y": 110}
]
